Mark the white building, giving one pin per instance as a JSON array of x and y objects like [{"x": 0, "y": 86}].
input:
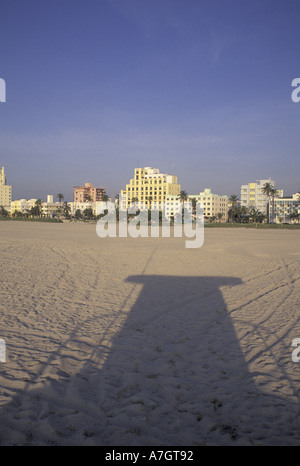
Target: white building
[
  {"x": 22, "y": 205},
  {"x": 172, "y": 206},
  {"x": 214, "y": 205},
  {"x": 285, "y": 207},
  {"x": 49, "y": 209},
  {"x": 252, "y": 196}
]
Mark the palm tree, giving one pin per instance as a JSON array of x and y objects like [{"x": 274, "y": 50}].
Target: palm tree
[
  {"x": 60, "y": 198},
  {"x": 245, "y": 212},
  {"x": 183, "y": 196},
  {"x": 87, "y": 198},
  {"x": 88, "y": 213},
  {"x": 38, "y": 207},
  {"x": 237, "y": 213},
  {"x": 66, "y": 210},
  {"x": 219, "y": 216},
  {"x": 269, "y": 190},
  {"x": 16, "y": 213},
  {"x": 295, "y": 216},
  {"x": 234, "y": 201},
  {"x": 255, "y": 215},
  {"x": 194, "y": 206},
  {"x": 150, "y": 199},
  {"x": 36, "y": 210},
  {"x": 78, "y": 214},
  {"x": 134, "y": 200},
  {"x": 3, "y": 212}
]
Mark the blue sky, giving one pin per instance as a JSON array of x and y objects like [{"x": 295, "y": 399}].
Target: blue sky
[{"x": 199, "y": 89}]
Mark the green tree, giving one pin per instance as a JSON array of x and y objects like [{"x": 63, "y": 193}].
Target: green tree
[
  {"x": 38, "y": 207},
  {"x": 194, "y": 205},
  {"x": 269, "y": 190},
  {"x": 66, "y": 210},
  {"x": 134, "y": 200},
  {"x": 254, "y": 215},
  {"x": 3, "y": 212},
  {"x": 219, "y": 216},
  {"x": 78, "y": 214},
  {"x": 59, "y": 211},
  {"x": 244, "y": 213},
  {"x": 17, "y": 213},
  {"x": 87, "y": 198},
  {"x": 233, "y": 212},
  {"x": 295, "y": 216},
  {"x": 60, "y": 198},
  {"x": 234, "y": 200},
  {"x": 183, "y": 196},
  {"x": 88, "y": 213}
]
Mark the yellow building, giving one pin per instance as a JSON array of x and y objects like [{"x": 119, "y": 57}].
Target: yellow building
[
  {"x": 149, "y": 189},
  {"x": 20, "y": 205},
  {"x": 5, "y": 191}
]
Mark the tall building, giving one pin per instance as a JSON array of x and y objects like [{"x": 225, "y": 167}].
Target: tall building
[
  {"x": 252, "y": 195},
  {"x": 213, "y": 205},
  {"x": 5, "y": 191},
  {"x": 149, "y": 188},
  {"x": 88, "y": 192}
]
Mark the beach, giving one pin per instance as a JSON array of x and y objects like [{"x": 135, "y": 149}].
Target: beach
[{"x": 143, "y": 342}]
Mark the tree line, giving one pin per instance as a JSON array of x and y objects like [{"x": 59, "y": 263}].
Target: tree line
[{"x": 236, "y": 212}]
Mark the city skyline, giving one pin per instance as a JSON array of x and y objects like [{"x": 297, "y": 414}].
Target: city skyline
[
  {"x": 201, "y": 90},
  {"x": 60, "y": 196}
]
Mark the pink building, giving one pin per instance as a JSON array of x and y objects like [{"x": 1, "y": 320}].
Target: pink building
[{"x": 81, "y": 193}]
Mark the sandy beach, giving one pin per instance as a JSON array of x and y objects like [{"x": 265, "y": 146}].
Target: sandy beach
[{"x": 140, "y": 341}]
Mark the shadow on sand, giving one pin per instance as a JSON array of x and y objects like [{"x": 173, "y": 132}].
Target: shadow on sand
[{"x": 174, "y": 375}]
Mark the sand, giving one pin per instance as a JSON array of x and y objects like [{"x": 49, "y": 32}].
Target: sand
[{"x": 140, "y": 341}]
